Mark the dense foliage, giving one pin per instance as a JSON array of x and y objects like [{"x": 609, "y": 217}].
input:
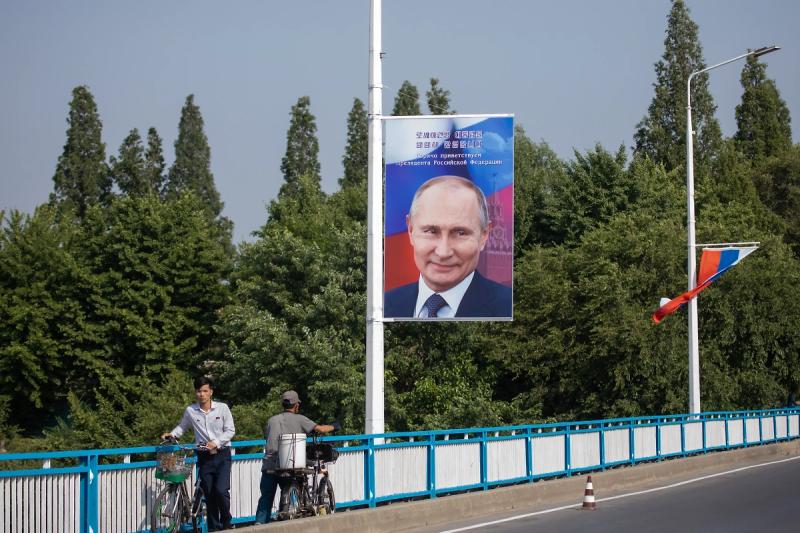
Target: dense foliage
[{"x": 125, "y": 284}]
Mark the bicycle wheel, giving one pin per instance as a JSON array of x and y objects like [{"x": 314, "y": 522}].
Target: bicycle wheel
[
  {"x": 198, "y": 509},
  {"x": 325, "y": 497},
  {"x": 290, "y": 505},
  {"x": 167, "y": 512}
]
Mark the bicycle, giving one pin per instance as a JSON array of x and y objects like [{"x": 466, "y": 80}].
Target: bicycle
[
  {"x": 173, "y": 507},
  {"x": 298, "y": 498}
]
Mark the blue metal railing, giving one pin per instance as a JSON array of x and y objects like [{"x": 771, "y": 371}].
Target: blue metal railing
[{"x": 544, "y": 450}]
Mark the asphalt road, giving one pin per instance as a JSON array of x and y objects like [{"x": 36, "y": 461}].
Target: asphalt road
[{"x": 757, "y": 498}]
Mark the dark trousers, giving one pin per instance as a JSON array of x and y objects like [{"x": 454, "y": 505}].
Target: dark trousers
[
  {"x": 268, "y": 486},
  {"x": 215, "y": 478}
]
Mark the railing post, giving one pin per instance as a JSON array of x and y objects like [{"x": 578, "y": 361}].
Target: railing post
[
  {"x": 432, "y": 465},
  {"x": 727, "y": 434},
  {"x": 632, "y": 440},
  {"x": 774, "y": 427},
  {"x": 529, "y": 454},
  {"x": 370, "y": 473},
  {"x": 703, "y": 425},
  {"x": 602, "y": 435},
  {"x": 786, "y": 425},
  {"x": 658, "y": 437},
  {"x": 89, "y": 496},
  {"x": 567, "y": 454},
  {"x": 744, "y": 430},
  {"x": 683, "y": 436},
  {"x": 484, "y": 461}
]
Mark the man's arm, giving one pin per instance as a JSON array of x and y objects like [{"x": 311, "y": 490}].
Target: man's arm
[{"x": 327, "y": 428}]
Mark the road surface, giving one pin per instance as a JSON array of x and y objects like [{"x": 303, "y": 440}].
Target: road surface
[{"x": 757, "y": 498}]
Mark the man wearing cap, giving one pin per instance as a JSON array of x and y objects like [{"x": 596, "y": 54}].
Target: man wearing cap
[{"x": 289, "y": 421}]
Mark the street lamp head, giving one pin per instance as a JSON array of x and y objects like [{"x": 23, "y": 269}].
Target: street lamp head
[{"x": 765, "y": 50}]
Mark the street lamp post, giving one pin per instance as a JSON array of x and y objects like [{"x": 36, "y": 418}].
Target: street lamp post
[{"x": 694, "y": 350}]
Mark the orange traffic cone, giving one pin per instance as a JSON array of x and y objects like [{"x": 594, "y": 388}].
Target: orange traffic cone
[{"x": 588, "y": 496}]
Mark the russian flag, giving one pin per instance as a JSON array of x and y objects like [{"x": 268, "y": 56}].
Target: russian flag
[{"x": 713, "y": 263}]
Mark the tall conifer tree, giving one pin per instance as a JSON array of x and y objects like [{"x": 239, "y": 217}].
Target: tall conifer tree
[
  {"x": 438, "y": 99},
  {"x": 763, "y": 120},
  {"x": 128, "y": 170},
  {"x": 302, "y": 149},
  {"x": 662, "y": 133},
  {"x": 356, "y": 150},
  {"x": 406, "y": 103},
  {"x": 154, "y": 161},
  {"x": 82, "y": 177},
  {"x": 192, "y": 168}
]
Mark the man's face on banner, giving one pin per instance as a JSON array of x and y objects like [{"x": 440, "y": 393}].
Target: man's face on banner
[{"x": 445, "y": 232}]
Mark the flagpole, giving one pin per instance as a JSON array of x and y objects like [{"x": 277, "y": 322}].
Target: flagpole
[
  {"x": 694, "y": 348},
  {"x": 374, "y": 420}
]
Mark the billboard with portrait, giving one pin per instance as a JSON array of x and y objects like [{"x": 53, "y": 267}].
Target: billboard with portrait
[{"x": 449, "y": 217}]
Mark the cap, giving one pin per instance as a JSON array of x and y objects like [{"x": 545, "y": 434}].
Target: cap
[{"x": 290, "y": 397}]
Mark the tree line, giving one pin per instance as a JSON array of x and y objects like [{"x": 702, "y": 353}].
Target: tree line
[{"x": 126, "y": 283}]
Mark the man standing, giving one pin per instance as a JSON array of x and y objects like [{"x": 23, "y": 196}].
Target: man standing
[
  {"x": 448, "y": 225},
  {"x": 289, "y": 421},
  {"x": 213, "y": 430}
]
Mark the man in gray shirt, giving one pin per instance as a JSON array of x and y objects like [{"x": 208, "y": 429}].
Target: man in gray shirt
[{"x": 289, "y": 421}]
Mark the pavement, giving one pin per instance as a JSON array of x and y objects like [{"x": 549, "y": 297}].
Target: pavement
[{"x": 406, "y": 516}]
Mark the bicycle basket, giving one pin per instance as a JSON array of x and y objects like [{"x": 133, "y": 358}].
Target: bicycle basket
[
  {"x": 172, "y": 463},
  {"x": 322, "y": 451}
]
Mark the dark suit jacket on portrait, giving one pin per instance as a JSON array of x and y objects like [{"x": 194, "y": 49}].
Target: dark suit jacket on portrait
[{"x": 484, "y": 298}]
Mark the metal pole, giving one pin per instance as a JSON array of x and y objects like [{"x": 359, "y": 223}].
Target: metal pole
[
  {"x": 694, "y": 343},
  {"x": 694, "y": 348},
  {"x": 374, "y": 422}
]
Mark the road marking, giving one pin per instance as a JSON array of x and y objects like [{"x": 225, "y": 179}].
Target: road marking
[{"x": 656, "y": 489}]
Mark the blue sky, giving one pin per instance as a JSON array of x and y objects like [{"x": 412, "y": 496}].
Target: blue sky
[{"x": 574, "y": 72}]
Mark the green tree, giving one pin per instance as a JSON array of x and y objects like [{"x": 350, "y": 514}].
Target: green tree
[
  {"x": 352, "y": 197},
  {"x": 302, "y": 148},
  {"x": 43, "y": 330},
  {"x": 126, "y": 411},
  {"x": 128, "y": 170},
  {"x": 103, "y": 308},
  {"x": 732, "y": 179},
  {"x": 537, "y": 173},
  {"x": 406, "y": 102},
  {"x": 158, "y": 273},
  {"x": 662, "y": 133},
  {"x": 438, "y": 376},
  {"x": 596, "y": 187},
  {"x": 763, "y": 120},
  {"x": 356, "y": 149},
  {"x": 191, "y": 171},
  {"x": 154, "y": 165},
  {"x": 438, "y": 99},
  {"x": 581, "y": 330},
  {"x": 82, "y": 176},
  {"x": 778, "y": 182},
  {"x": 296, "y": 320}
]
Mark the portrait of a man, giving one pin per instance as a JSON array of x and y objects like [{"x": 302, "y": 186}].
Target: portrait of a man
[{"x": 448, "y": 227}]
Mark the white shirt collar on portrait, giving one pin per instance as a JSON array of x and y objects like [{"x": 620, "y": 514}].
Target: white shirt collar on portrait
[{"x": 452, "y": 296}]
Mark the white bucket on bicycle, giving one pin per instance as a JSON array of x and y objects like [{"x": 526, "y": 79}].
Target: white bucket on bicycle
[{"x": 292, "y": 450}]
